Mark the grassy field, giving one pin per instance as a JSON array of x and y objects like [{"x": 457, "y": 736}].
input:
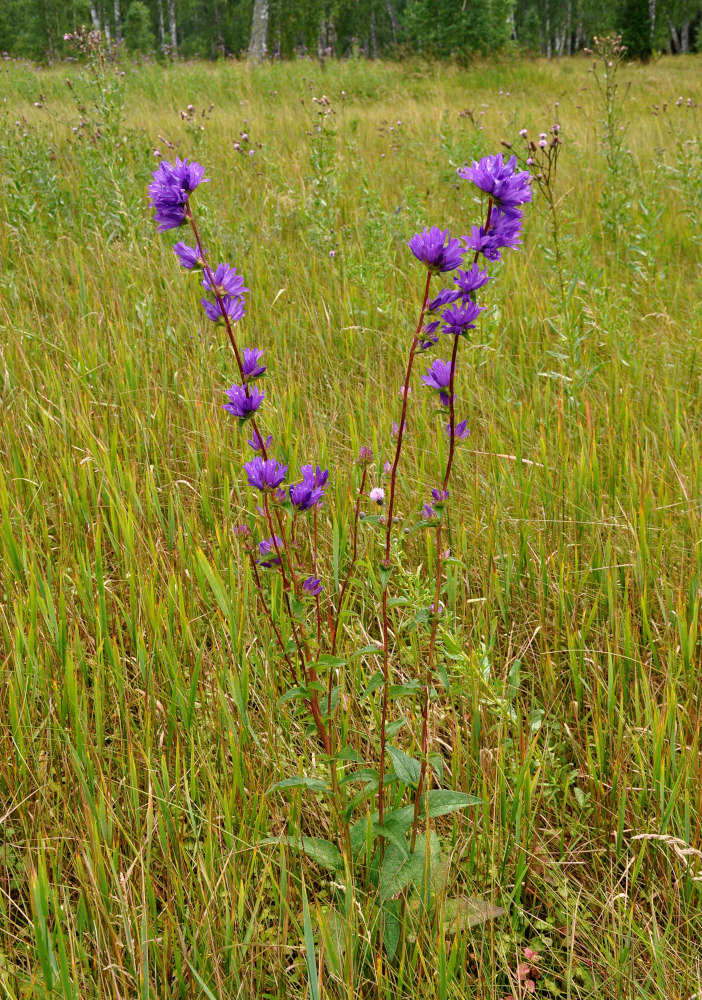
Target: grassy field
[{"x": 139, "y": 726}]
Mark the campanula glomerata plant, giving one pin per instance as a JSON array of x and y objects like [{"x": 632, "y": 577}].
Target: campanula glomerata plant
[{"x": 381, "y": 836}]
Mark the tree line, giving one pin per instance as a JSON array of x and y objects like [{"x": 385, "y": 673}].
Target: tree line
[{"x": 366, "y": 28}]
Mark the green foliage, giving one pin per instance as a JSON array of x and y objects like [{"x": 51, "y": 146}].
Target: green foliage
[{"x": 138, "y": 36}]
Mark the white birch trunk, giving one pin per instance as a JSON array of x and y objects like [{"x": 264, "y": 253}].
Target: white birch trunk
[
  {"x": 172, "y": 24},
  {"x": 259, "y": 31}
]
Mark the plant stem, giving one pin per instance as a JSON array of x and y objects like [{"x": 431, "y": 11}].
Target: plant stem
[{"x": 386, "y": 562}]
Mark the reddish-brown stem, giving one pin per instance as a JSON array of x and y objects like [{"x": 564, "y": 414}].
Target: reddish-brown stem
[
  {"x": 437, "y": 588},
  {"x": 227, "y": 322},
  {"x": 388, "y": 538}
]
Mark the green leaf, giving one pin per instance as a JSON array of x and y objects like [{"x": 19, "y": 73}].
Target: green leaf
[
  {"x": 399, "y": 690},
  {"x": 326, "y": 660},
  {"x": 398, "y": 872},
  {"x": 309, "y": 947},
  {"x": 444, "y": 800},
  {"x": 396, "y": 602},
  {"x": 348, "y": 753},
  {"x": 373, "y": 684},
  {"x": 384, "y": 572},
  {"x": 407, "y": 768},
  {"x": 323, "y": 852},
  {"x": 300, "y": 781},
  {"x": 391, "y": 927},
  {"x": 372, "y": 649},
  {"x": 393, "y": 728},
  {"x": 292, "y": 694}
]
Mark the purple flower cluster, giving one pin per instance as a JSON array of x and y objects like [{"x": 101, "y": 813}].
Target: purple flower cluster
[
  {"x": 243, "y": 404},
  {"x": 499, "y": 179},
  {"x": 170, "y": 189},
  {"x": 309, "y": 492},
  {"x": 435, "y": 248},
  {"x": 438, "y": 377}
]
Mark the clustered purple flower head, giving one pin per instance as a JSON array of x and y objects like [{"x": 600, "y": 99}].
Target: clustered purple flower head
[
  {"x": 365, "y": 455},
  {"x": 502, "y": 233},
  {"x": 170, "y": 189},
  {"x": 268, "y": 546},
  {"x": 439, "y": 496},
  {"x": 438, "y": 377},
  {"x": 459, "y": 319},
  {"x": 428, "y": 512},
  {"x": 310, "y": 490},
  {"x": 240, "y": 405},
  {"x": 498, "y": 178},
  {"x": 312, "y": 586},
  {"x": 436, "y": 248},
  {"x": 265, "y": 474},
  {"x": 189, "y": 257},
  {"x": 230, "y": 306},
  {"x": 250, "y": 364},
  {"x": 226, "y": 282},
  {"x": 256, "y": 443}
]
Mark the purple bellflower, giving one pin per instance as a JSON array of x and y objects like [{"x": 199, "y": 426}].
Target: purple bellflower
[
  {"x": 306, "y": 494},
  {"x": 233, "y": 308},
  {"x": 435, "y": 248},
  {"x": 498, "y": 179},
  {"x": 268, "y": 546},
  {"x": 471, "y": 281},
  {"x": 438, "y": 377},
  {"x": 265, "y": 474},
  {"x": 460, "y": 431},
  {"x": 189, "y": 257},
  {"x": 502, "y": 233},
  {"x": 256, "y": 443},
  {"x": 240, "y": 405},
  {"x": 459, "y": 319},
  {"x": 439, "y": 496},
  {"x": 226, "y": 282},
  {"x": 312, "y": 586},
  {"x": 251, "y": 366},
  {"x": 444, "y": 298},
  {"x": 170, "y": 189},
  {"x": 428, "y": 512}
]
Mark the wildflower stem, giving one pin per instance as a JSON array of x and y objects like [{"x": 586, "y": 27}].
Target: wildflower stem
[
  {"x": 439, "y": 574},
  {"x": 227, "y": 322},
  {"x": 388, "y": 538}
]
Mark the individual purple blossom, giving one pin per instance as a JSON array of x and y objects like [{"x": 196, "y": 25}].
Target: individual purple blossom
[
  {"x": 460, "y": 431},
  {"x": 439, "y": 496},
  {"x": 377, "y": 495},
  {"x": 231, "y": 307},
  {"x": 436, "y": 248},
  {"x": 387, "y": 468},
  {"x": 441, "y": 608},
  {"x": 241, "y": 530},
  {"x": 438, "y": 377},
  {"x": 240, "y": 404},
  {"x": 252, "y": 368},
  {"x": 226, "y": 282},
  {"x": 265, "y": 474},
  {"x": 471, "y": 281},
  {"x": 312, "y": 586},
  {"x": 256, "y": 443},
  {"x": 266, "y": 547},
  {"x": 445, "y": 297},
  {"x": 498, "y": 179},
  {"x": 365, "y": 455},
  {"x": 310, "y": 490},
  {"x": 459, "y": 319},
  {"x": 428, "y": 512},
  {"x": 189, "y": 257},
  {"x": 396, "y": 428}
]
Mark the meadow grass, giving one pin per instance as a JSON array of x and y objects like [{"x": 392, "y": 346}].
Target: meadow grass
[{"x": 139, "y": 732}]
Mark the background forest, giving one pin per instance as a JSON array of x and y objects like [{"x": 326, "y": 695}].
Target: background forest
[{"x": 370, "y": 28}]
